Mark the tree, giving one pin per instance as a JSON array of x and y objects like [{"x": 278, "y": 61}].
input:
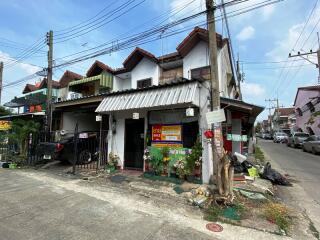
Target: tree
[
  {"x": 20, "y": 133},
  {"x": 4, "y": 111},
  {"x": 258, "y": 127}
]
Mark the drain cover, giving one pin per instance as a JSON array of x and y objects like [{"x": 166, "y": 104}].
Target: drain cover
[{"x": 214, "y": 227}]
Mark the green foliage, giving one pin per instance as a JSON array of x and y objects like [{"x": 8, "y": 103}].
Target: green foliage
[
  {"x": 20, "y": 132},
  {"x": 4, "y": 111},
  {"x": 213, "y": 213},
  {"x": 194, "y": 156},
  {"x": 258, "y": 127},
  {"x": 156, "y": 159},
  {"x": 259, "y": 154},
  {"x": 279, "y": 214}
]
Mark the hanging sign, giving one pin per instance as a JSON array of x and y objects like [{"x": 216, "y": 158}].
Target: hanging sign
[
  {"x": 135, "y": 115},
  {"x": 98, "y": 118},
  {"x": 5, "y": 125},
  {"x": 216, "y": 116}
]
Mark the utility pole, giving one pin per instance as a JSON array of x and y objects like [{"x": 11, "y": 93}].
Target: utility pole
[
  {"x": 239, "y": 77},
  {"x": 215, "y": 93},
  {"x": 310, "y": 53},
  {"x": 276, "y": 109},
  {"x": 49, "y": 81},
  {"x": 1, "y": 73}
]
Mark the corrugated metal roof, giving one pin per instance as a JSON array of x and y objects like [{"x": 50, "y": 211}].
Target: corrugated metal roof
[
  {"x": 104, "y": 78},
  {"x": 171, "y": 95}
]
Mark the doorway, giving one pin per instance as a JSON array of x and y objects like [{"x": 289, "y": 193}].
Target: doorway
[{"x": 134, "y": 144}]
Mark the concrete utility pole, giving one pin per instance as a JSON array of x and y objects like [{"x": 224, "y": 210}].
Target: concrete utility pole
[
  {"x": 276, "y": 109},
  {"x": 1, "y": 73},
  {"x": 49, "y": 81},
  {"x": 311, "y": 53},
  {"x": 215, "y": 93},
  {"x": 239, "y": 77}
]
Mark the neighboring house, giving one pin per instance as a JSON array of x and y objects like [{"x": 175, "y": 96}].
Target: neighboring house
[
  {"x": 157, "y": 101},
  {"x": 33, "y": 98},
  {"x": 282, "y": 119},
  {"x": 307, "y": 109}
]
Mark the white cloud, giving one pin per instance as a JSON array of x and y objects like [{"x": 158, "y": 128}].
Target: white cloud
[
  {"x": 252, "y": 90},
  {"x": 27, "y": 68},
  {"x": 246, "y": 33}
]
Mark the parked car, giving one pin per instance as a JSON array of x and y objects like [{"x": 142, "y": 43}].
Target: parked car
[
  {"x": 267, "y": 136},
  {"x": 296, "y": 139},
  {"x": 280, "y": 137},
  {"x": 87, "y": 149},
  {"x": 312, "y": 144}
]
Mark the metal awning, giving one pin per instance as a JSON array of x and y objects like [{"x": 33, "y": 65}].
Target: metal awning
[
  {"x": 176, "y": 95},
  {"x": 104, "y": 78}
]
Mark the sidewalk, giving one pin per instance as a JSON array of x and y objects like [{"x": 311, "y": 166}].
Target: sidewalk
[{"x": 159, "y": 202}]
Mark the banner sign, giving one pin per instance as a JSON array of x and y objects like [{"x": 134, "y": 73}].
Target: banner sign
[
  {"x": 237, "y": 137},
  {"x": 166, "y": 133},
  {"x": 216, "y": 116},
  {"x": 5, "y": 125}
]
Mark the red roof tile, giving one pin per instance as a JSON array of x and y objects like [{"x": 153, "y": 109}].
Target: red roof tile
[
  {"x": 29, "y": 88},
  {"x": 67, "y": 77},
  {"x": 135, "y": 57},
  {"x": 97, "y": 67}
]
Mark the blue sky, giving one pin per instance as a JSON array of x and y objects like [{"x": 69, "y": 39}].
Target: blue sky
[{"x": 261, "y": 37}]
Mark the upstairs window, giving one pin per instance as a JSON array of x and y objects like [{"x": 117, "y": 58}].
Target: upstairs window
[
  {"x": 202, "y": 73},
  {"x": 144, "y": 83},
  {"x": 299, "y": 111},
  {"x": 311, "y": 106}
]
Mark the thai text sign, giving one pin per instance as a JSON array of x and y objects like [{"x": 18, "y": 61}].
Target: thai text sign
[
  {"x": 5, "y": 125},
  {"x": 166, "y": 133},
  {"x": 237, "y": 137}
]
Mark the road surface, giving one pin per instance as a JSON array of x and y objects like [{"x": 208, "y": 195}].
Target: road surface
[{"x": 40, "y": 210}]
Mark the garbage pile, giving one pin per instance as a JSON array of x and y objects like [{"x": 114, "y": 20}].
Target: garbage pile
[
  {"x": 200, "y": 196},
  {"x": 243, "y": 166}
]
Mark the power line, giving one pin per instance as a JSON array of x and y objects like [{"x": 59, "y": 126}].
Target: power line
[{"x": 149, "y": 33}]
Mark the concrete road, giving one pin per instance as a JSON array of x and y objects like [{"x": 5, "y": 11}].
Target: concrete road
[
  {"x": 39, "y": 205},
  {"x": 304, "y": 168},
  {"x": 33, "y": 209}
]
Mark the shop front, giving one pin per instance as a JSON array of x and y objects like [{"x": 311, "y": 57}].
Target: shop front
[{"x": 155, "y": 118}]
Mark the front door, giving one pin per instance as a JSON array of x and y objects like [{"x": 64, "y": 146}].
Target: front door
[{"x": 134, "y": 143}]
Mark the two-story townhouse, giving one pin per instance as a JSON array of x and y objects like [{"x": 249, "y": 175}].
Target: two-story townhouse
[
  {"x": 307, "y": 109},
  {"x": 162, "y": 101},
  {"x": 282, "y": 119}
]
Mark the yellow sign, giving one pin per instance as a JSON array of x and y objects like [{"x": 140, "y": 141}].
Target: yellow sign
[
  {"x": 166, "y": 133},
  {"x": 171, "y": 145},
  {"x": 5, "y": 125}
]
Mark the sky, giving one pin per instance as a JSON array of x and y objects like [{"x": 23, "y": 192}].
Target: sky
[{"x": 262, "y": 38}]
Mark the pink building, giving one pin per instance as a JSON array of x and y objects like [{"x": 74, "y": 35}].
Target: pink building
[{"x": 307, "y": 109}]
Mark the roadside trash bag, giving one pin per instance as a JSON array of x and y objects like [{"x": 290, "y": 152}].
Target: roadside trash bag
[
  {"x": 240, "y": 157},
  {"x": 238, "y": 168},
  {"x": 253, "y": 172},
  {"x": 247, "y": 165},
  {"x": 274, "y": 176},
  {"x": 252, "y": 195}
]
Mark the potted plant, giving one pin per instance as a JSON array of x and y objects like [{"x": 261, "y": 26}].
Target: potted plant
[
  {"x": 166, "y": 159},
  {"x": 146, "y": 158},
  {"x": 194, "y": 159},
  {"x": 181, "y": 168},
  {"x": 112, "y": 162},
  {"x": 156, "y": 160}
]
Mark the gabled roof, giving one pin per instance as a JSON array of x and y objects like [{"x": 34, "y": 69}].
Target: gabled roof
[
  {"x": 197, "y": 34},
  {"x": 285, "y": 111},
  {"x": 135, "y": 57},
  {"x": 67, "y": 77},
  {"x": 29, "y": 88},
  {"x": 307, "y": 88},
  {"x": 97, "y": 67},
  {"x": 43, "y": 84}
]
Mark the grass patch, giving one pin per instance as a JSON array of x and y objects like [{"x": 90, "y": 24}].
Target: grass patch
[
  {"x": 226, "y": 214},
  {"x": 258, "y": 154},
  {"x": 314, "y": 231},
  {"x": 279, "y": 214},
  {"x": 213, "y": 213}
]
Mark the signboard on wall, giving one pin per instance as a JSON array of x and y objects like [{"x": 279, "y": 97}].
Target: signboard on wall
[
  {"x": 166, "y": 135},
  {"x": 5, "y": 125},
  {"x": 216, "y": 116},
  {"x": 237, "y": 137}
]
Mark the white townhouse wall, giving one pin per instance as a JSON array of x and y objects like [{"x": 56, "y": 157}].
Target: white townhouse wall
[
  {"x": 145, "y": 69},
  {"x": 120, "y": 84},
  {"x": 196, "y": 58},
  {"x": 199, "y": 57}
]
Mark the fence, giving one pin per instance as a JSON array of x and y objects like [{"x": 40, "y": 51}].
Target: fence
[{"x": 83, "y": 150}]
